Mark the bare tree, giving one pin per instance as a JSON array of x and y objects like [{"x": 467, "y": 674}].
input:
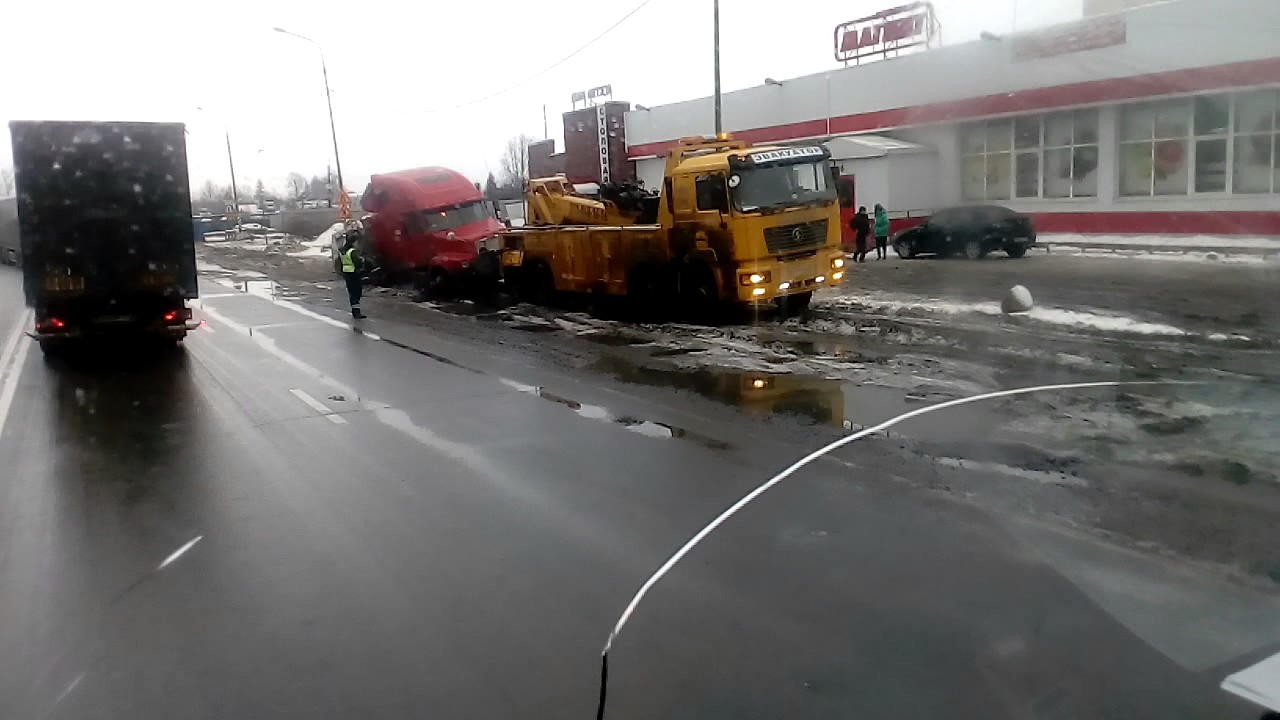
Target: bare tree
[
  {"x": 296, "y": 184},
  {"x": 6, "y": 182},
  {"x": 515, "y": 160}
]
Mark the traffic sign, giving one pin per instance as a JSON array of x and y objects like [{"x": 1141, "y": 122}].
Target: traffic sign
[{"x": 344, "y": 206}]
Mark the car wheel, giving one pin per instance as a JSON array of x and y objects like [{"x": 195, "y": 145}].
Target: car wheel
[
  {"x": 905, "y": 249},
  {"x": 973, "y": 249},
  {"x": 1016, "y": 251}
]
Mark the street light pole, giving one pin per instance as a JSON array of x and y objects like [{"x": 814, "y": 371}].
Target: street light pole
[
  {"x": 333, "y": 130},
  {"x": 235, "y": 195},
  {"x": 715, "y": 13}
]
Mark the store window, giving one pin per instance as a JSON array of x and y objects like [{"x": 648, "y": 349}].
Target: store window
[
  {"x": 1209, "y": 144},
  {"x": 1032, "y": 156},
  {"x": 1256, "y": 152}
]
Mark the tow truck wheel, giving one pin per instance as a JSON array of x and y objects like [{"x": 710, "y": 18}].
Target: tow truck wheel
[
  {"x": 698, "y": 289},
  {"x": 536, "y": 285}
]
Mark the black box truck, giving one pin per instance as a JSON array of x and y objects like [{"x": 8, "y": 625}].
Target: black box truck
[{"x": 104, "y": 215}]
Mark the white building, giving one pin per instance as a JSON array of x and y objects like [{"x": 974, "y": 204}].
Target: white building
[{"x": 1163, "y": 118}]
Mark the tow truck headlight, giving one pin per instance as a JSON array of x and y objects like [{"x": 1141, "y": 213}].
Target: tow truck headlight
[
  {"x": 837, "y": 263},
  {"x": 754, "y": 278},
  {"x": 837, "y": 276},
  {"x": 820, "y": 278},
  {"x": 757, "y": 291}
]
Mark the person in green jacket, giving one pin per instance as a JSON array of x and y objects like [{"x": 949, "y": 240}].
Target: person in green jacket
[{"x": 882, "y": 232}]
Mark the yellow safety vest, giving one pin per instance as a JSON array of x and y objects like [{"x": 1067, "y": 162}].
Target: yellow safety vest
[{"x": 348, "y": 262}]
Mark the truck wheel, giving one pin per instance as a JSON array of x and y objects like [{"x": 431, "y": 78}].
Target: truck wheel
[
  {"x": 537, "y": 286},
  {"x": 698, "y": 291},
  {"x": 52, "y": 351},
  {"x": 647, "y": 297},
  {"x": 438, "y": 285},
  {"x": 792, "y": 305}
]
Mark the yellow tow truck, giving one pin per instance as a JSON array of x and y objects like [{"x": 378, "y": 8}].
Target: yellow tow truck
[{"x": 732, "y": 223}]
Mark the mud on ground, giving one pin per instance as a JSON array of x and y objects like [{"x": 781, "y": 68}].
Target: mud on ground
[{"x": 1188, "y": 470}]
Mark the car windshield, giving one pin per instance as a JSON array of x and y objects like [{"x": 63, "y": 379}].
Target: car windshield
[
  {"x": 778, "y": 186},
  {"x": 443, "y": 219}
]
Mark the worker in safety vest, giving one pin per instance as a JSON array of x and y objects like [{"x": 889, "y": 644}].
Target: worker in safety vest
[{"x": 351, "y": 261}]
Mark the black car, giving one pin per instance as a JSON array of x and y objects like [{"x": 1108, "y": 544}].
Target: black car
[{"x": 971, "y": 231}]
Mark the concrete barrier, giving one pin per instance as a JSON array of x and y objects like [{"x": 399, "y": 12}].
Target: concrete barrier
[{"x": 304, "y": 223}]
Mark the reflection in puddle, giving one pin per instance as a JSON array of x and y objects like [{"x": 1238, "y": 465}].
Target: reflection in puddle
[
  {"x": 648, "y": 428},
  {"x": 819, "y": 399}
]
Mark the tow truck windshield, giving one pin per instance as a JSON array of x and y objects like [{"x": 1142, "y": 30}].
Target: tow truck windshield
[{"x": 778, "y": 186}]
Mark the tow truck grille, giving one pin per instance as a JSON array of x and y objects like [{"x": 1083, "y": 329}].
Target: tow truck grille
[{"x": 795, "y": 238}]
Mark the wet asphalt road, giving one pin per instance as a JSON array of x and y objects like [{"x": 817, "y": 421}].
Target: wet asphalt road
[{"x": 397, "y": 525}]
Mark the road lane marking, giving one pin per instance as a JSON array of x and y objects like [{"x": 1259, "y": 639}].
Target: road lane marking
[
  {"x": 1258, "y": 683},
  {"x": 319, "y": 407},
  {"x": 12, "y": 359},
  {"x": 734, "y": 508},
  {"x": 69, "y": 689},
  {"x": 179, "y": 552}
]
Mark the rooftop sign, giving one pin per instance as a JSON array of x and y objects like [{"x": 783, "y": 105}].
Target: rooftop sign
[{"x": 888, "y": 31}]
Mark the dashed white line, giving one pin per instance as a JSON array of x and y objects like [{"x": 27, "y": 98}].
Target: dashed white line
[
  {"x": 12, "y": 358},
  {"x": 180, "y": 551},
  {"x": 69, "y": 689},
  {"x": 319, "y": 407}
]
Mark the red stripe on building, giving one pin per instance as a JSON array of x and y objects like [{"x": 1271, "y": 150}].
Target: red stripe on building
[
  {"x": 1241, "y": 74},
  {"x": 1262, "y": 224},
  {"x": 1160, "y": 223}
]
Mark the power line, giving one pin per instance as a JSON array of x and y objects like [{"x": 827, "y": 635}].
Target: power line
[{"x": 547, "y": 69}]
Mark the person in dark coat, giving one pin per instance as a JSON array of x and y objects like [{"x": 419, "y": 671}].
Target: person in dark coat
[{"x": 861, "y": 225}]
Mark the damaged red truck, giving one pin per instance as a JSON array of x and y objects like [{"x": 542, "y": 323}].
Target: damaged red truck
[{"x": 434, "y": 227}]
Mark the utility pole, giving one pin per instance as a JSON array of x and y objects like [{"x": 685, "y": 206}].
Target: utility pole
[
  {"x": 715, "y": 11},
  {"x": 333, "y": 131},
  {"x": 235, "y": 194}
]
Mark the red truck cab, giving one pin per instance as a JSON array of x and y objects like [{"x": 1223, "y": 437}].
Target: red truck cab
[{"x": 434, "y": 226}]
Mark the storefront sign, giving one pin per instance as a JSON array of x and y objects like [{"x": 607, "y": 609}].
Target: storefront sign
[
  {"x": 602, "y": 147},
  {"x": 885, "y": 32},
  {"x": 786, "y": 154},
  {"x": 1090, "y": 34}
]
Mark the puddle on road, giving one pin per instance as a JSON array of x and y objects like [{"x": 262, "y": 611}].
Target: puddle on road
[
  {"x": 648, "y": 428},
  {"x": 823, "y": 401}
]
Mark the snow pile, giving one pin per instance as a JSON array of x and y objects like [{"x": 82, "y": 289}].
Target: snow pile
[
  {"x": 1165, "y": 242},
  {"x": 320, "y": 246},
  {"x": 1091, "y": 319},
  {"x": 1018, "y": 299}
]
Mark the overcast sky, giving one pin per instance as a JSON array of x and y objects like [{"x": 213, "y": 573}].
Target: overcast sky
[{"x": 405, "y": 76}]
